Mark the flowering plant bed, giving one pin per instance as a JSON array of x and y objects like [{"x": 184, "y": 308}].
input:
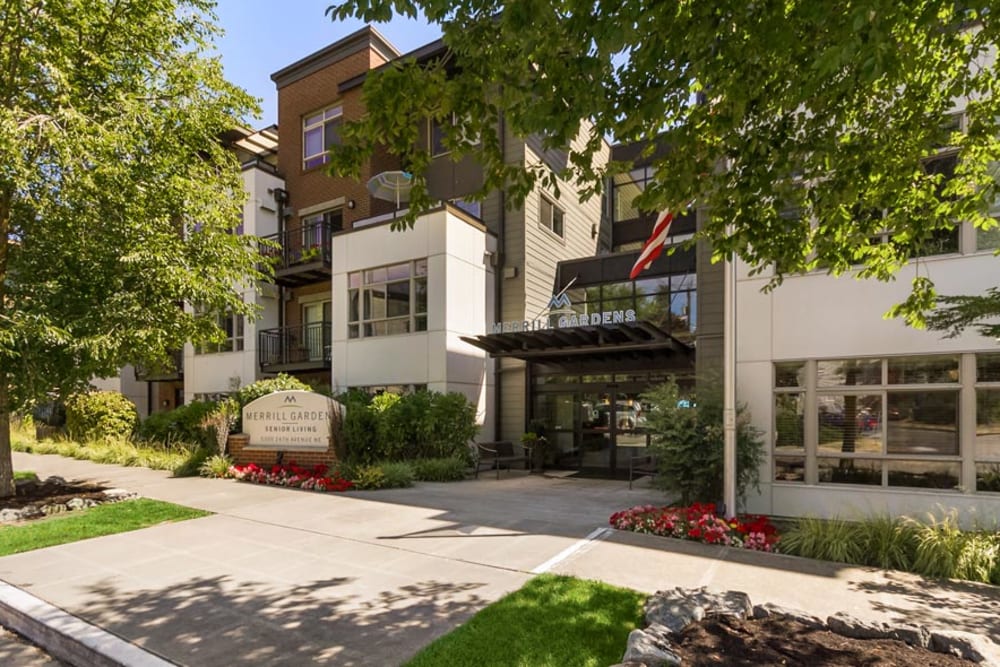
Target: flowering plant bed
[
  {"x": 292, "y": 475},
  {"x": 700, "y": 523}
]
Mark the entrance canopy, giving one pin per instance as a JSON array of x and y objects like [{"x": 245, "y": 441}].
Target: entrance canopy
[{"x": 561, "y": 345}]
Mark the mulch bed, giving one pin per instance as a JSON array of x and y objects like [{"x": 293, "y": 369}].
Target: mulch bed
[
  {"x": 776, "y": 641},
  {"x": 49, "y": 492}
]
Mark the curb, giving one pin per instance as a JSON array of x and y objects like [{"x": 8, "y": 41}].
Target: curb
[{"x": 67, "y": 637}]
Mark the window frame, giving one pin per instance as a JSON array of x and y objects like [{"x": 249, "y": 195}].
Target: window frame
[
  {"x": 328, "y": 117},
  {"x": 361, "y": 326},
  {"x": 232, "y": 324},
  {"x": 550, "y": 223}
]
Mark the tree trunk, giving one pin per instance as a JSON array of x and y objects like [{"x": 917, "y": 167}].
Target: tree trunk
[{"x": 6, "y": 457}]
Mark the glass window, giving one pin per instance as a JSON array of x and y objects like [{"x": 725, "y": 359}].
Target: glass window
[
  {"x": 850, "y": 471},
  {"x": 988, "y": 477},
  {"x": 789, "y": 469},
  {"x": 988, "y": 367},
  {"x": 789, "y": 412},
  {"x": 922, "y": 422},
  {"x": 988, "y": 424},
  {"x": 850, "y": 423},
  {"x": 924, "y": 474},
  {"x": 319, "y": 132},
  {"x": 550, "y": 216},
  {"x": 848, "y": 372},
  {"x": 790, "y": 374},
  {"x": 388, "y": 300},
  {"x": 988, "y": 239},
  {"x": 232, "y": 327},
  {"x": 923, "y": 370}
]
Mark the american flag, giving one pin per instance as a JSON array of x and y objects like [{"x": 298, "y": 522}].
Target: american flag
[{"x": 654, "y": 245}]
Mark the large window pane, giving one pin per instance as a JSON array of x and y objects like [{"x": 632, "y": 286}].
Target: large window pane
[
  {"x": 790, "y": 374},
  {"x": 789, "y": 412},
  {"x": 988, "y": 424},
  {"x": 988, "y": 477},
  {"x": 923, "y": 422},
  {"x": 988, "y": 367},
  {"x": 420, "y": 297},
  {"x": 923, "y": 370},
  {"x": 789, "y": 469},
  {"x": 848, "y": 372},
  {"x": 924, "y": 474},
  {"x": 850, "y": 471},
  {"x": 850, "y": 423},
  {"x": 398, "y": 299},
  {"x": 988, "y": 239}
]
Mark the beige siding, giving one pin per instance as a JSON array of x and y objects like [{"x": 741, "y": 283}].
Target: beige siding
[{"x": 710, "y": 310}]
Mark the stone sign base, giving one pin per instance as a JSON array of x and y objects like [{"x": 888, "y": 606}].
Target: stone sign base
[{"x": 241, "y": 453}]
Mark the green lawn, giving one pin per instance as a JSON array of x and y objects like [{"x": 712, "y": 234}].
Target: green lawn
[
  {"x": 552, "y": 621},
  {"x": 94, "y": 522}
]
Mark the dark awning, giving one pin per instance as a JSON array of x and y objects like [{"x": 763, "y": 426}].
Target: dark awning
[{"x": 554, "y": 345}]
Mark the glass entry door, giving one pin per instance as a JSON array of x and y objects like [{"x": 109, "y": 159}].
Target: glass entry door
[{"x": 594, "y": 429}]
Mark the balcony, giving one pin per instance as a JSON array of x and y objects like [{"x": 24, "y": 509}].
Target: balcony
[
  {"x": 303, "y": 256},
  {"x": 300, "y": 348},
  {"x": 172, "y": 370}
]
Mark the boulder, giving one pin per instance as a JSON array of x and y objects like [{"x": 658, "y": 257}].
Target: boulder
[
  {"x": 914, "y": 635},
  {"x": 849, "y": 626},
  {"x": 649, "y": 649},
  {"x": 9, "y": 515},
  {"x": 769, "y": 610},
  {"x": 967, "y": 645}
]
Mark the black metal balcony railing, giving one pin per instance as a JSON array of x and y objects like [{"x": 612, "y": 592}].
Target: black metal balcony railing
[
  {"x": 303, "y": 255},
  {"x": 172, "y": 370},
  {"x": 302, "y": 347}
]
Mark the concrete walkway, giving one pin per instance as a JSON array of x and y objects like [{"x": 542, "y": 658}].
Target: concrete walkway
[{"x": 279, "y": 576}]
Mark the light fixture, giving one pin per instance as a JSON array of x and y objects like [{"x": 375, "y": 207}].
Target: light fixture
[{"x": 350, "y": 203}]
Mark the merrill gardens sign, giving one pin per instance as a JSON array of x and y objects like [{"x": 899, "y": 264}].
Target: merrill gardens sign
[{"x": 290, "y": 420}]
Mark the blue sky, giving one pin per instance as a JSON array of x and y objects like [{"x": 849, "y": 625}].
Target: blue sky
[{"x": 262, "y": 36}]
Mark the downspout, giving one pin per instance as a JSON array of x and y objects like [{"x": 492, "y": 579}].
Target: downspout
[
  {"x": 497, "y": 280},
  {"x": 280, "y": 199}
]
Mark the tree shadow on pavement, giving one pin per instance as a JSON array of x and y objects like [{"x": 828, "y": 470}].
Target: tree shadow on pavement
[
  {"x": 937, "y": 604},
  {"x": 221, "y": 621}
]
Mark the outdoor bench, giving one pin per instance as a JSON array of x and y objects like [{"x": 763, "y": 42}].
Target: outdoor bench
[{"x": 497, "y": 454}]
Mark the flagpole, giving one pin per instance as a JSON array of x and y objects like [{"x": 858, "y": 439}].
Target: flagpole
[{"x": 729, "y": 386}]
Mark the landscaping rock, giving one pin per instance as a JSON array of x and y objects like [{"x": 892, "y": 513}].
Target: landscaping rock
[
  {"x": 648, "y": 649},
  {"x": 631, "y": 663},
  {"x": 769, "y": 609},
  {"x": 672, "y": 610},
  {"x": 914, "y": 635},
  {"x": 55, "y": 479},
  {"x": 119, "y": 494},
  {"x": 55, "y": 508},
  {"x": 849, "y": 626},
  {"x": 7, "y": 516},
  {"x": 976, "y": 648},
  {"x": 76, "y": 503}
]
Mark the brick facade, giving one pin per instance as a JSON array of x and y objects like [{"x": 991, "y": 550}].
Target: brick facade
[{"x": 238, "y": 450}]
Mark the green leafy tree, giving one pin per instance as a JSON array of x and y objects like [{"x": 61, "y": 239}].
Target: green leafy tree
[
  {"x": 688, "y": 442},
  {"x": 117, "y": 200},
  {"x": 805, "y": 129}
]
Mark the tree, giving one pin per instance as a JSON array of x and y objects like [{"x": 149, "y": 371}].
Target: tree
[
  {"x": 805, "y": 129},
  {"x": 117, "y": 201}
]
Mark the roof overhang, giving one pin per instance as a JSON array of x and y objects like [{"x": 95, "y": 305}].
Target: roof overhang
[{"x": 557, "y": 345}]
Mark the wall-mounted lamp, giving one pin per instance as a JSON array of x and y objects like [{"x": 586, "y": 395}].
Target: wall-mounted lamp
[
  {"x": 593, "y": 231},
  {"x": 350, "y": 203}
]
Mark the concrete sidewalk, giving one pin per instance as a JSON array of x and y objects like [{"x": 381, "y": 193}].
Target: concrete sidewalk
[{"x": 279, "y": 576}]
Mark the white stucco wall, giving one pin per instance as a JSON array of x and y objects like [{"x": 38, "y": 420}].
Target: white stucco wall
[
  {"x": 817, "y": 316},
  {"x": 460, "y": 293}
]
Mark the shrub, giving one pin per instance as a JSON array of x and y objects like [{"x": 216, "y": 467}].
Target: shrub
[
  {"x": 260, "y": 388},
  {"x": 451, "y": 425},
  {"x": 183, "y": 425},
  {"x": 688, "y": 442},
  {"x": 823, "y": 539},
  {"x": 368, "y": 477},
  {"x": 398, "y": 474},
  {"x": 99, "y": 415},
  {"x": 215, "y": 466},
  {"x": 359, "y": 428},
  {"x": 191, "y": 466},
  {"x": 447, "y": 469}
]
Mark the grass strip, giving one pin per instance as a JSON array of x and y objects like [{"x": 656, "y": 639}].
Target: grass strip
[
  {"x": 552, "y": 621},
  {"x": 24, "y": 474},
  {"x": 94, "y": 522}
]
